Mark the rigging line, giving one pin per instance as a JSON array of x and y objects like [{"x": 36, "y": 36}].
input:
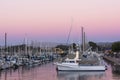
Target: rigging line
[{"x": 70, "y": 31}]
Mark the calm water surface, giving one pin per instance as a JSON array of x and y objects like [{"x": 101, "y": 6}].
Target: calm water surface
[{"x": 48, "y": 72}]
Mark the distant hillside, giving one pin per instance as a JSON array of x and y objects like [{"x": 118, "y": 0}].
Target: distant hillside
[{"x": 105, "y": 45}]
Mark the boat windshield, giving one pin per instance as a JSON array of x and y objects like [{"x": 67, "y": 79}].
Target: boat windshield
[{"x": 69, "y": 61}]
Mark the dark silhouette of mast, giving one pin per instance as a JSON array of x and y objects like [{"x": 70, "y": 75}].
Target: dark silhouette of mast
[
  {"x": 70, "y": 31},
  {"x": 84, "y": 42},
  {"x": 5, "y": 42},
  {"x": 82, "y": 30}
]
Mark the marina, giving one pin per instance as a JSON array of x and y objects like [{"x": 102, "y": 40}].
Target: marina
[
  {"x": 59, "y": 39},
  {"x": 47, "y": 62}
]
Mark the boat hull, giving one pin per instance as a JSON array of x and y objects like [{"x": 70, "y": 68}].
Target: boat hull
[{"x": 61, "y": 67}]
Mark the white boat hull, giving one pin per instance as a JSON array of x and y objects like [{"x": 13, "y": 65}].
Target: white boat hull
[{"x": 64, "y": 67}]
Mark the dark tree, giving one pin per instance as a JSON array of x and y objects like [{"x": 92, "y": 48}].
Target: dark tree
[
  {"x": 93, "y": 45},
  {"x": 74, "y": 46},
  {"x": 63, "y": 47},
  {"x": 116, "y": 46}
]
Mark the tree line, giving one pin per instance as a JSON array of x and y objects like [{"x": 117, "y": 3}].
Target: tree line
[{"x": 115, "y": 47}]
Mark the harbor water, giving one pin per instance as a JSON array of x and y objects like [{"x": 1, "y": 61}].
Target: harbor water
[{"x": 48, "y": 72}]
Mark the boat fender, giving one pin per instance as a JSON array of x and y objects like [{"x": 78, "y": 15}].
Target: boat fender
[
  {"x": 56, "y": 68},
  {"x": 105, "y": 67}
]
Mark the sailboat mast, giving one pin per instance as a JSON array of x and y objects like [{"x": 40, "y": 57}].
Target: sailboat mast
[
  {"x": 84, "y": 41},
  {"x": 5, "y": 42},
  {"x": 70, "y": 31}
]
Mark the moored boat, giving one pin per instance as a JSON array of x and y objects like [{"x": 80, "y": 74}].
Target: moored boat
[{"x": 82, "y": 63}]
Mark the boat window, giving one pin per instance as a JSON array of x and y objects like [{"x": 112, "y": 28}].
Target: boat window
[
  {"x": 85, "y": 56},
  {"x": 72, "y": 61},
  {"x": 77, "y": 61},
  {"x": 66, "y": 61}
]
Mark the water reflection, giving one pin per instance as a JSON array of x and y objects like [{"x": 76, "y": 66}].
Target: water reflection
[
  {"x": 21, "y": 73},
  {"x": 44, "y": 72},
  {"x": 80, "y": 75},
  {"x": 48, "y": 72}
]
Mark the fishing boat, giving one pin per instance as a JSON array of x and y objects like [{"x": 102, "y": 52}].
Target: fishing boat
[
  {"x": 88, "y": 61},
  {"x": 85, "y": 60}
]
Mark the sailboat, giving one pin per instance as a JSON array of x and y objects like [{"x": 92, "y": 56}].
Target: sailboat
[{"x": 84, "y": 61}]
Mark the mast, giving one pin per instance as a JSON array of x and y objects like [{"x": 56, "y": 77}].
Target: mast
[
  {"x": 84, "y": 42},
  {"x": 26, "y": 52},
  {"x": 5, "y": 42},
  {"x": 82, "y": 30},
  {"x": 70, "y": 31},
  {"x": 25, "y": 44}
]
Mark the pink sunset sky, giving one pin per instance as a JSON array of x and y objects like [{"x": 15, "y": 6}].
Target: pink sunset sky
[{"x": 50, "y": 20}]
